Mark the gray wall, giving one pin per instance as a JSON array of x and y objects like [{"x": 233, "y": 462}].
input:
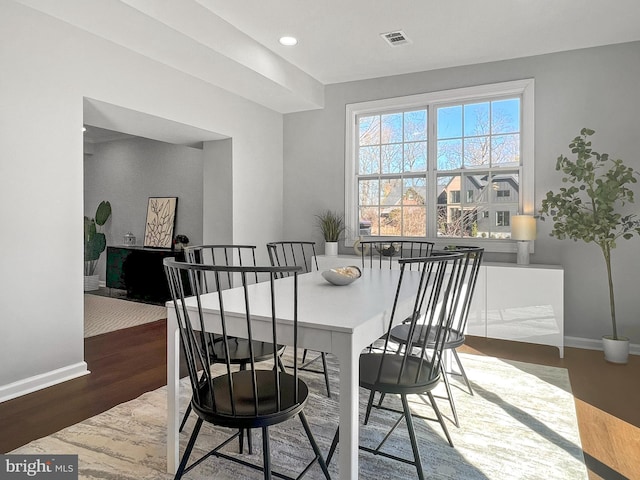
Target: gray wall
[
  {"x": 596, "y": 88},
  {"x": 128, "y": 172}
]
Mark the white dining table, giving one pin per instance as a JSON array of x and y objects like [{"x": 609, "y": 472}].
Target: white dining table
[{"x": 341, "y": 320}]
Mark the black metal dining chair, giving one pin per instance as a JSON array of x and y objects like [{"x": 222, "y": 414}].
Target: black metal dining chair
[
  {"x": 237, "y": 399},
  {"x": 382, "y": 253},
  {"x": 414, "y": 371},
  {"x": 302, "y": 254},
  {"x": 240, "y": 349},
  {"x": 464, "y": 288}
]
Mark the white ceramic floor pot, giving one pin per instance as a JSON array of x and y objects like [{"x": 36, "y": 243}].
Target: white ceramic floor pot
[
  {"x": 91, "y": 282},
  {"x": 331, "y": 249},
  {"x": 615, "y": 351}
]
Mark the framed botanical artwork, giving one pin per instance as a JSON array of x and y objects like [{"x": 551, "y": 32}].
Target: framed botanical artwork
[{"x": 161, "y": 221}]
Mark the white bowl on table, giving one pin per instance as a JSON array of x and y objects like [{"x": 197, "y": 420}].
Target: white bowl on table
[{"x": 342, "y": 275}]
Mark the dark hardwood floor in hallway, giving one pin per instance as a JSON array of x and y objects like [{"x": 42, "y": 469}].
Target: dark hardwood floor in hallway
[
  {"x": 123, "y": 365},
  {"x": 126, "y": 363}
]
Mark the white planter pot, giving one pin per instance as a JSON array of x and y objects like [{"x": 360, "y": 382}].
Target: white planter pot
[
  {"x": 91, "y": 282},
  {"x": 331, "y": 249},
  {"x": 615, "y": 351}
]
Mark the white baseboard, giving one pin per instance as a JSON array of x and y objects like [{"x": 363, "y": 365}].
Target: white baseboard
[
  {"x": 44, "y": 380},
  {"x": 590, "y": 344}
]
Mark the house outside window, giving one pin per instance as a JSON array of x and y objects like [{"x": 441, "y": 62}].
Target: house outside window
[{"x": 408, "y": 160}]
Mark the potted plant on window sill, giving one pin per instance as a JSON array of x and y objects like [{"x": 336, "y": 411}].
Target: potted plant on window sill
[
  {"x": 95, "y": 243},
  {"x": 588, "y": 209},
  {"x": 332, "y": 226}
]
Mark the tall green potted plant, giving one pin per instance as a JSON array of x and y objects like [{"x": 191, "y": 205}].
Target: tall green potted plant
[
  {"x": 588, "y": 209},
  {"x": 332, "y": 226},
  {"x": 95, "y": 243}
]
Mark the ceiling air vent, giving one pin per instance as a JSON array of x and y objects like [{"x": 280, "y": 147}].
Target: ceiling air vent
[{"x": 396, "y": 38}]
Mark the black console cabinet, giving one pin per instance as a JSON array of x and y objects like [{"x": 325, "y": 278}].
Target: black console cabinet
[{"x": 140, "y": 272}]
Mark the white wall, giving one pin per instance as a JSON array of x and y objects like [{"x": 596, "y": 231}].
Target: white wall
[
  {"x": 218, "y": 183},
  {"x": 47, "y": 69},
  {"x": 595, "y": 88},
  {"x": 128, "y": 172}
]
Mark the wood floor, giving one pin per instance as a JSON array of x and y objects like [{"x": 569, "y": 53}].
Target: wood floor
[
  {"x": 607, "y": 400},
  {"x": 126, "y": 363}
]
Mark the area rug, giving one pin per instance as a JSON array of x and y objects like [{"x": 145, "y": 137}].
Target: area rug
[
  {"x": 106, "y": 314},
  {"x": 519, "y": 424}
]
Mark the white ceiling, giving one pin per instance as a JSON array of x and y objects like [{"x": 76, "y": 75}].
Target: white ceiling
[
  {"x": 234, "y": 44},
  {"x": 339, "y": 40}
]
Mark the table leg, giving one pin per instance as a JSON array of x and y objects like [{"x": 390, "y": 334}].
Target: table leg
[
  {"x": 348, "y": 358},
  {"x": 173, "y": 391}
]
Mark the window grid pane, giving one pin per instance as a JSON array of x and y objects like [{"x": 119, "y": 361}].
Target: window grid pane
[{"x": 369, "y": 130}]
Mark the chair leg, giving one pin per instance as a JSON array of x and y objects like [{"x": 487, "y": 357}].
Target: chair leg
[
  {"x": 184, "y": 419},
  {"x": 334, "y": 445},
  {"x": 281, "y": 365},
  {"x": 243, "y": 366},
  {"x": 412, "y": 437},
  {"x": 266, "y": 453},
  {"x": 440, "y": 418},
  {"x": 326, "y": 373},
  {"x": 369, "y": 405},
  {"x": 314, "y": 445},
  {"x": 241, "y": 440},
  {"x": 462, "y": 372},
  {"x": 187, "y": 452},
  {"x": 447, "y": 386}
]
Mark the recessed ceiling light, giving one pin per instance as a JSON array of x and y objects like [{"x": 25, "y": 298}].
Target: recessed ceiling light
[{"x": 288, "y": 41}]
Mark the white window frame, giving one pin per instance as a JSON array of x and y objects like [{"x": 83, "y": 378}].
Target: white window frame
[{"x": 523, "y": 88}]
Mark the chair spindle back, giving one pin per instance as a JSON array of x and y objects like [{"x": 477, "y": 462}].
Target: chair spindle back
[
  {"x": 289, "y": 253},
  {"x": 208, "y": 394},
  {"x": 432, "y": 310},
  {"x": 238, "y": 255},
  {"x": 379, "y": 253}
]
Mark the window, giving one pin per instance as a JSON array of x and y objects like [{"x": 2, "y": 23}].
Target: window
[
  {"x": 469, "y": 196},
  {"x": 503, "y": 218},
  {"x": 409, "y": 159}
]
